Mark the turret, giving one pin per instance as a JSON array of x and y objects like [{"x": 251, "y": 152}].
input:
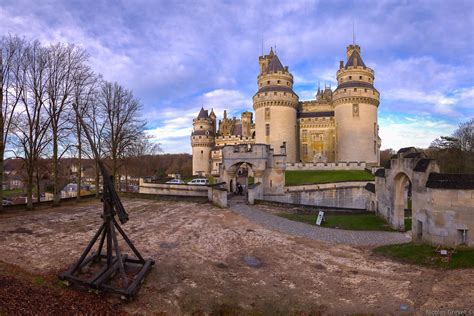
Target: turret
[
  {"x": 356, "y": 104},
  {"x": 275, "y": 105},
  {"x": 202, "y": 141}
]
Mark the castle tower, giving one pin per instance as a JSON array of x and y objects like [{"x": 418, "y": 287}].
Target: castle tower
[
  {"x": 246, "y": 119},
  {"x": 275, "y": 105},
  {"x": 356, "y": 103},
  {"x": 202, "y": 142}
]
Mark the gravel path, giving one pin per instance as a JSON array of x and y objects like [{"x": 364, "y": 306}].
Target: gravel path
[{"x": 339, "y": 236}]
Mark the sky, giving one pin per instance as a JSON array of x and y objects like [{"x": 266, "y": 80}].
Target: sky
[{"x": 177, "y": 56}]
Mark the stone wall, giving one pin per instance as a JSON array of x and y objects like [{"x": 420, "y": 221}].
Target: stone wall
[
  {"x": 443, "y": 216},
  {"x": 172, "y": 189},
  {"x": 442, "y": 204},
  {"x": 255, "y": 192},
  {"x": 352, "y": 195},
  {"x": 327, "y": 166},
  {"x": 218, "y": 196}
]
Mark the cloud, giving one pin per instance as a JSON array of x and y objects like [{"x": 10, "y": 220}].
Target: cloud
[
  {"x": 173, "y": 127},
  {"x": 418, "y": 131},
  {"x": 178, "y": 56}
]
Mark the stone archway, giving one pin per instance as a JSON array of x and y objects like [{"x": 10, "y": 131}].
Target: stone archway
[
  {"x": 409, "y": 168},
  {"x": 268, "y": 169},
  {"x": 239, "y": 174},
  {"x": 402, "y": 193}
]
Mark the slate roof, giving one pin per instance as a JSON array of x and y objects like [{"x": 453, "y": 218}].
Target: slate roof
[
  {"x": 355, "y": 56},
  {"x": 237, "y": 130},
  {"x": 413, "y": 155},
  {"x": 450, "y": 181},
  {"x": 380, "y": 173},
  {"x": 405, "y": 149},
  {"x": 201, "y": 132},
  {"x": 275, "y": 88},
  {"x": 203, "y": 114},
  {"x": 422, "y": 165},
  {"x": 316, "y": 114},
  {"x": 275, "y": 65},
  {"x": 370, "y": 187},
  {"x": 355, "y": 84}
]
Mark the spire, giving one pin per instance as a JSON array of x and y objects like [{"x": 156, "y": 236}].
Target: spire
[
  {"x": 271, "y": 51},
  {"x": 225, "y": 114},
  {"x": 212, "y": 115},
  {"x": 353, "y": 33}
]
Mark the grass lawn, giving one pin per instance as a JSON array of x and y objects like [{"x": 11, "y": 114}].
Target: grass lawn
[
  {"x": 425, "y": 255},
  {"x": 325, "y": 176},
  {"x": 349, "y": 222}
]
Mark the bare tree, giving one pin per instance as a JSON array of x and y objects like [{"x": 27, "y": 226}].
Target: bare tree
[
  {"x": 455, "y": 154},
  {"x": 31, "y": 125},
  {"x": 124, "y": 128},
  {"x": 11, "y": 50},
  {"x": 84, "y": 95},
  {"x": 94, "y": 117},
  {"x": 63, "y": 64}
]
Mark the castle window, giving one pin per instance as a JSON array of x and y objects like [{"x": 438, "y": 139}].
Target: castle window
[
  {"x": 274, "y": 93},
  {"x": 360, "y": 77},
  {"x": 202, "y": 152},
  {"x": 365, "y": 90},
  {"x": 278, "y": 81},
  {"x": 355, "y": 89},
  {"x": 267, "y": 129},
  {"x": 268, "y": 82},
  {"x": 345, "y": 90},
  {"x": 350, "y": 77},
  {"x": 304, "y": 135},
  {"x": 355, "y": 110},
  {"x": 199, "y": 136},
  {"x": 284, "y": 93},
  {"x": 267, "y": 113},
  {"x": 288, "y": 84},
  {"x": 305, "y": 150}
]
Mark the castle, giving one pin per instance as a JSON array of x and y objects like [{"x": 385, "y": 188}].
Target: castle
[{"x": 337, "y": 126}]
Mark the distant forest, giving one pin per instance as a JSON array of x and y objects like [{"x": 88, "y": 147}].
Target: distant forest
[{"x": 158, "y": 166}]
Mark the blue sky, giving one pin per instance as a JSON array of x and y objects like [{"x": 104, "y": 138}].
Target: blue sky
[{"x": 179, "y": 55}]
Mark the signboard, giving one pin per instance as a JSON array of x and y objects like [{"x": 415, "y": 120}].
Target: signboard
[{"x": 320, "y": 218}]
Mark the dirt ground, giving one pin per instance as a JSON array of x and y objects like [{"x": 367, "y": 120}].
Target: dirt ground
[{"x": 200, "y": 253}]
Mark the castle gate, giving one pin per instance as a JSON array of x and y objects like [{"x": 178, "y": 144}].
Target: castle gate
[
  {"x": 400, "y": 184},
  {"x": 267, "y": 168}
]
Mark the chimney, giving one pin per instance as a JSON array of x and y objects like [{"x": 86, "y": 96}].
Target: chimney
[{"x": 341, "y": 64}]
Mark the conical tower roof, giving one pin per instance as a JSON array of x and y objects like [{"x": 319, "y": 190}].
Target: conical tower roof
[
  {"x": 203, "y": 114},
  {"x": 275, "y": 65},
  {"x": 355, "y": 60}
]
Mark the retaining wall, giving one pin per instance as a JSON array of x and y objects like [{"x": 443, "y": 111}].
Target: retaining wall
[
  {"x": 172, "y": 189},
  {"x": 349, "y": 195}
]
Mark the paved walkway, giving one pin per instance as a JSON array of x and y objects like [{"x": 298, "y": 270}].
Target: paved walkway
[{"x": 339, "y": 236}]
